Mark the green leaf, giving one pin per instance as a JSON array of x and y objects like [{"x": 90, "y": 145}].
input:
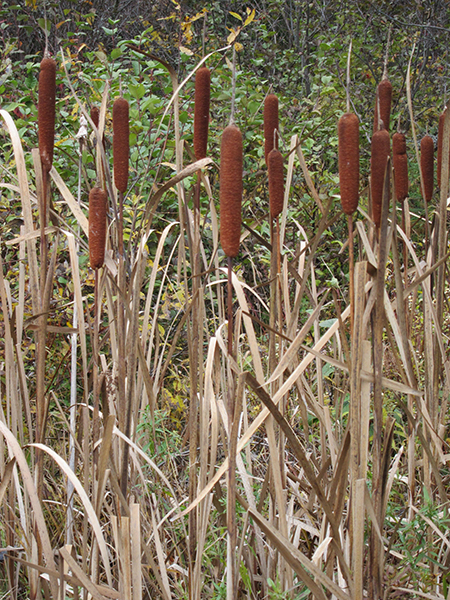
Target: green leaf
[
  {"x": 116, "y": 53},
  {"x": 137, "y": 91}
]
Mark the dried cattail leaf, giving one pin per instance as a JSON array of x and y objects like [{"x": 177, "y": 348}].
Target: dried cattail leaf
[
  {"x": 380, "y": 150},
  {"x": 95, "y": 116},
  {"x": 201, "y": 112},
  {"x": 383, "y": 103},
  {"x": 121, "y": 143},
  {"x": 46, "y": 111},
  {"x": 270, "y": 124},
  {"x": 97, "y": 226},
  {"x": 348, "y": 136},
  {"x": 439, "y": 148},
  {"x": 276, "y": 182},
  {"x": 427, "y": 166},
  {"x": 231, "y": 161}
]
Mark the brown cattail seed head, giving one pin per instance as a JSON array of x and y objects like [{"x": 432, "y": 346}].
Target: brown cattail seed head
[
  {"x": 201, "y": 112},
  {"x": 276, "y": 182},
  {"x": 383, "y": 104},
  {"x": 95, "y": 116},
  {"x": 378, "y": 160},
  {"x": 400, "y": 161},
  {"x": 270, "y": 124},
  {"x": 97, "y": 226},
  {"x": 46, "y": 111},
  {"x": 121, "y": 143},
  {"x": 440, "y": 147},
  {"x": 348, "y": 135},
  {"x": 230, "y": 190},
  {"x": 427, "y": 165}
]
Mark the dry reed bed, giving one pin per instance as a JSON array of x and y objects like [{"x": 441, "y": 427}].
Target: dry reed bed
[{"x": 108, "y": 520}]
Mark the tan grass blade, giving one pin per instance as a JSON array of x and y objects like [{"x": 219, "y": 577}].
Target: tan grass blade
[
  {"x": 6, "y": 477},
  {"x": 136, "y": 566},
  {"x": 301, "y": 565},
  {"x": 70, "y": 201},
  {"x": 95, "y": 524},
  {"x": 21, "y": 460},
  {"x": 287, "y": 189},
  {"x": 26, "y": 206},
  {"x": 309, "y": 181},
  {"x": 88, "y": 585}
]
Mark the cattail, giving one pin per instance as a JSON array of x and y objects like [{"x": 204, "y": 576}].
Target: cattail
[
  {"x": 400, "y": 162},
  {"x": 230, "y": 190},
  {"x": 97, "y": 227},
  {"x": 383, "y": 103},
  {"x": 348, "y": 135},
  {"x": 440, "y": 147},
  {"x": 46, "y": 111},
  {"x": 270, "y": 124},
  {"x": 95, "y": 116},
  {"x": 427, "y": 165},
  {"x": 121, "y": 143},
  {"x": 276, "y": 182},
  {"x": 378, "y": 160},
  {"x": 201, "y": 112}
]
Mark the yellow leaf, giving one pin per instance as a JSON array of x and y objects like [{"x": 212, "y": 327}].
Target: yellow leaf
[
  {"x": 238, "y": 47},
  {"x": 185, "y": 50},
  {"x": 233, "y": 35},
  {"x": 236, "y": 15},
  {"x": 250, "y": 16}
]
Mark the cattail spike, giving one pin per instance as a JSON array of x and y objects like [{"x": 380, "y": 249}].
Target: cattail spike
[
  {"x": 276, "y": 182},
  {"x": 378, "y": 160},
  {"x": 270, "y": 124},
  {"x": 400, "y": 162},
  {"x": 383, "y": 105},
  {"x": 121, "y": 143},
  {"x": 348, "y": 136},
  {"x": 230, "y": 190},
  {"x": 95, "y": 116},
  {"x": 46, "y": 111},
  {"x": 97, "y": 226},
  {"x": 427, "y": 166},
  {"x": 201, "y": 112}
]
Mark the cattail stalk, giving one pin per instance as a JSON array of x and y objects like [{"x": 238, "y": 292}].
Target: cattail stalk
[
  {"x": 120, "y": 155},
  {"x": 378, "y": 160},
  {"x": 348, "y": 159},
  {"x": 427, "y": 166}
]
